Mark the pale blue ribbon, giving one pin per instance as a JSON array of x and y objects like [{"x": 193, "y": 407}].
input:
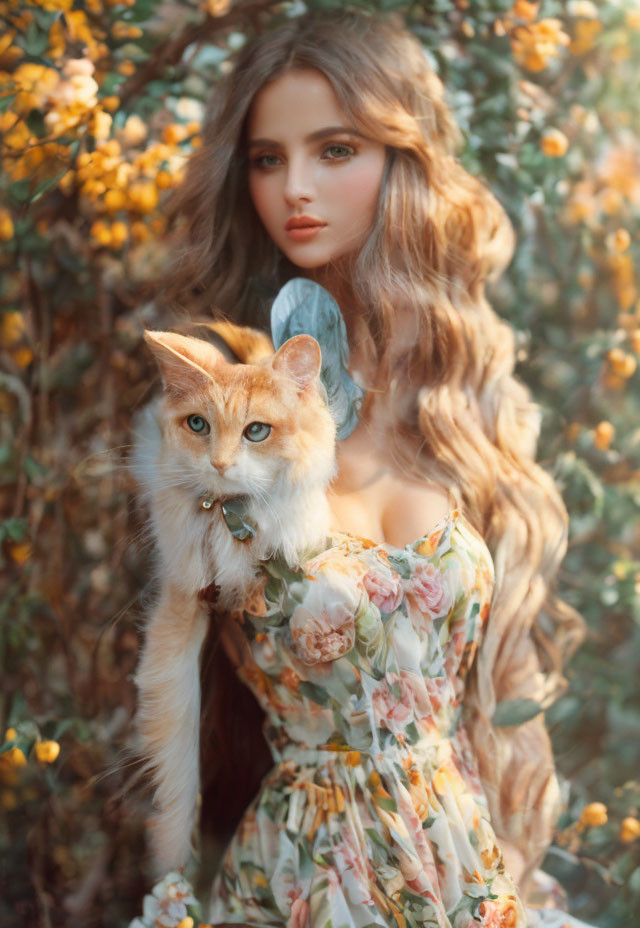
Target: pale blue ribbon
[{"x": 303, "y": 307}]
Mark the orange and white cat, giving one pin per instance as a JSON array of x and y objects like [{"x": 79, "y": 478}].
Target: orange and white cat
[{"x": 220, "y": 430}]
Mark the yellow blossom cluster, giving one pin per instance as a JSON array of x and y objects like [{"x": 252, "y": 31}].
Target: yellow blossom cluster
[
  {"x": 585, "y": 35},
  {"x": 608, "y": 192},
  {"x": 534, "y": 43},
  {"x": 121, "y": 186}
]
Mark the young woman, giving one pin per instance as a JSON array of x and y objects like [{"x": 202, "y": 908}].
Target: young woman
[{"x": 329, "y": 154}]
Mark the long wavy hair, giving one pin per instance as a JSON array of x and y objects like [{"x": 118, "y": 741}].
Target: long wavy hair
[{"x": 458, "y": 416}]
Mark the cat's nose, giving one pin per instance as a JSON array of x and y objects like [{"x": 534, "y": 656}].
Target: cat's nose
[{"x": 219, "y": 465}]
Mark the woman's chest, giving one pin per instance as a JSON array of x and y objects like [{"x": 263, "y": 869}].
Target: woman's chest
[
  {"x": 373, "y": 497},
  {"x": 391, "y": 508}
]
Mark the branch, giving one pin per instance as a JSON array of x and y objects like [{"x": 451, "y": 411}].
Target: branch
[{"x": 171, "y": 51}]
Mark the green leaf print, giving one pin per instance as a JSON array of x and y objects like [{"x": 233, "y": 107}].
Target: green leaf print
[
  {"x": 401, "y": 564},
  {"x": 387, "y": 803},
  {"x": 411, "y": 733},
  {"x": 314, "y": 693}
]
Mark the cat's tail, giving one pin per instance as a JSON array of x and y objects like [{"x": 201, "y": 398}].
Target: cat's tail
[{"x": 168, "y": 720}]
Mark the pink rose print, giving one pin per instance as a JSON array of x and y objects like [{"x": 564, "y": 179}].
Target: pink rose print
[
  {"x": 299, "y": 917},
  {"x": 323, "y": 626},
  {"x": 384, "y": 592},
  {"x": 324, "y": 637},
  {"x": 497, "y": 914},
  {"x": 419, "y": 698},
  {"x": 356, "y": 872},
  {"x": 430, "y": 590}
]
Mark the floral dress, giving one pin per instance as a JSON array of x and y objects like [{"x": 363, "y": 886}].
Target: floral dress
[{"x": 374, "y": 813}]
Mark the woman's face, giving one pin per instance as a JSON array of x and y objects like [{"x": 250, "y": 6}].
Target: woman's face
[{"x": 313, "y": 178}]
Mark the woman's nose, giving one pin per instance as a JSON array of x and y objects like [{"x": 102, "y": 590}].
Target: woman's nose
[{"x": 299, "y": 186}]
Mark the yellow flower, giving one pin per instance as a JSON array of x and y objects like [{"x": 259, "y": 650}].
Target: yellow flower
[
  {"x": 216, "y": 7},
  {"x": 622, "y": 364},
  {"x": 47, "y": 751},
  {"x": 10, "y": 734},
  {"x": 134, "y": 131},
  {"x": 15, "y": 757},
  {"x": 585, "y": 8},
  {"x": 585, "y": 35},
  {"x": 119, "y": 234},
  {"x": 629, "y": 829},
  {"x": 523, "y": 9},
  {"x": 619, "y": 240},
  {"x": 22, "y": 356},
  {"x": 110, "y": 103},
  {"x": 554, "y": 143},
  {"x": 7, "y": 230},
  {"x": 632, "y": 19},
  {"x": 594, "y": 815},
  {"x": 115, "y": 200},
  {"x": 101, "y": 125},
  {"x": 603, "y": 435},
  {"x": 100, "y": 233},
  {"x": 20, "y": 551},
  {"x": 635, "y": 341},
  {"x": 57, "y": 40},
  {"x": 143, "y": 196},
  {"x": 56, "y": 6},
  {"x": 174, "y": 133},
  {"x": 164, "y": 180},
  {"x": 126, "y": 68},
  {"x": 187, "y": 922}
]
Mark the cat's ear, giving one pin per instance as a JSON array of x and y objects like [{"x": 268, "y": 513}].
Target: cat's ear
[
  {"x": 185, "y": 362},
  {"x": 300, "y": 359}
]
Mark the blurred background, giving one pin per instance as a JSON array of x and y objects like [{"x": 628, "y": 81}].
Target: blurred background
[{"x": 101, "y": 103}]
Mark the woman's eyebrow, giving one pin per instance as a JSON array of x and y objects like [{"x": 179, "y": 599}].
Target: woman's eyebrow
[{"x": 312, "y": 137}]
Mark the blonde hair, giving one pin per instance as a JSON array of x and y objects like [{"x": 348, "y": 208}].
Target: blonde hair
[{"x": 465, "y": 422}]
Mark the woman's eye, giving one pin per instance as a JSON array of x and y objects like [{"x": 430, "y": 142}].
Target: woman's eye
[
  {"x": 265, "y": 161},
  {"x": 257, "y": 431},
  {"x": 337, "y": 152},
  {"x": 197, "y": 424}
]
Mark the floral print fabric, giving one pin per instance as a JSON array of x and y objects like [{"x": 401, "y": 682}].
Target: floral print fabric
[{"x": 374, "y": 813}]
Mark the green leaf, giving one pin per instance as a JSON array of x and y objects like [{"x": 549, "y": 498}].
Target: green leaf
[
  {"x": 515, "y": 712},
  {"x": 35, "y": 122},
  {"x": 634, "y": 880},
  {"x": 7, "y": 101},
  {"x": 34, "y": 41},
  {"x": 14, "y": 529},
  {"x": 33, "y": 469},
  {"x": 20, "y": 189}
]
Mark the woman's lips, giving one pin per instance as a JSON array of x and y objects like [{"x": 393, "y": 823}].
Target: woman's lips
[{"x": 304, "y": 233}]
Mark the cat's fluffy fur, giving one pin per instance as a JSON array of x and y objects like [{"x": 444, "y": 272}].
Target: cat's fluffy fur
[{"x": 284, "y": 477}]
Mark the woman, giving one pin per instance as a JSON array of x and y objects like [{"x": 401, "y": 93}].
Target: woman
[{"x": 328, "y": 154}]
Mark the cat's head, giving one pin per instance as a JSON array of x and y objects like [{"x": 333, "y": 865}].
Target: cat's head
[{"x": 243, "y": 428}]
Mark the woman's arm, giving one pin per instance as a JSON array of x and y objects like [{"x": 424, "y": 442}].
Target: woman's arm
[{"x": 513, "y": 859}]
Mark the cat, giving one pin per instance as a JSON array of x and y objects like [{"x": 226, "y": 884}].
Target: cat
[{"x": 261, "y": 431}]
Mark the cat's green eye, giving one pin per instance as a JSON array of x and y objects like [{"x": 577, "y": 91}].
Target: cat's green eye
[
  {"x": 257, "y": 431},
  {"x": 197, "y": 424}
]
